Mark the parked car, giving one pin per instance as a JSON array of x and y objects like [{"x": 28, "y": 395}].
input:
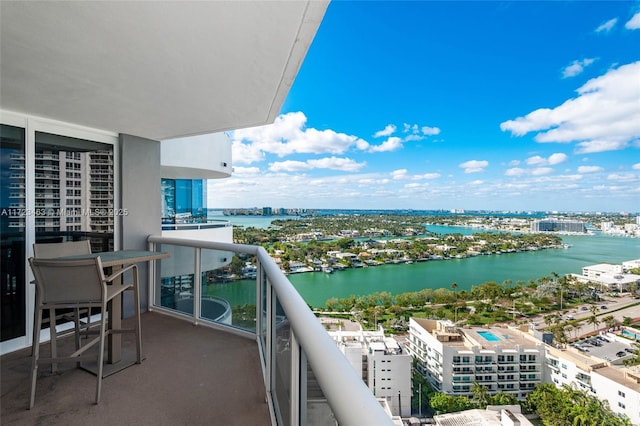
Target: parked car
[
  {"x": 584, "y": 308},
  {"x": 630, "y": 350},
  {"x": 603, "y": 307},
  {"x": 620, "y": 354}
]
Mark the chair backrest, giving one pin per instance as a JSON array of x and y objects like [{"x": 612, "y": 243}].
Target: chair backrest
[
  {"x": 69, "y": 281},
  {"x": 68, "y": 248}
]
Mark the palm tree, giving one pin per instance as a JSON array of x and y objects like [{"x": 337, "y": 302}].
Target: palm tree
[
  {"x": 610, "y": 321},
  {"x": 593, "y": 319},
  {"x": 454, "y": 286},
  {"x": 480, "y": 395}
]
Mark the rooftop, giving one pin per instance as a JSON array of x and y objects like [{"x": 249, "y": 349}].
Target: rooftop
[
  {"x": 487, "y": 338},
  {"x": 191, "y": 375}
]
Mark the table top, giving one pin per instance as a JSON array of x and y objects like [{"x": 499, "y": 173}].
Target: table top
[{"x": 123, "y": 257}]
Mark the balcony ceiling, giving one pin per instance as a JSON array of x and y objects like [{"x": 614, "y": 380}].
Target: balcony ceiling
[{"x": 154, "y": 69}]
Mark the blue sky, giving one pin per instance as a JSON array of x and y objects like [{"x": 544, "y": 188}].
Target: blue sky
[{"x": 454, "y": 105}]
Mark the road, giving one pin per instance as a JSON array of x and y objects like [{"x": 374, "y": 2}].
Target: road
[{"x": 619, "y": 307}]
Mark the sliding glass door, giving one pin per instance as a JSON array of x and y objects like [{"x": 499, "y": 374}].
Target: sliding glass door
[{"x": 58, "y": 183}]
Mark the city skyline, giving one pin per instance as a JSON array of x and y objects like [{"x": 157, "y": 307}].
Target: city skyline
[{"x": 454, "y": 105}]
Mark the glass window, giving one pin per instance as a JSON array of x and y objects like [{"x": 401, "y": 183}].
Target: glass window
[
  {"x": 12, "y": 232},
  {"x": 92, "y": 195}
]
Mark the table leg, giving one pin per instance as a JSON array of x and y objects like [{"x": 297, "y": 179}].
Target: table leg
[{"x": 114, "y": 341}]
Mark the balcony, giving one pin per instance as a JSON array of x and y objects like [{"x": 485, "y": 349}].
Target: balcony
[
  {"x": 268, "y": 363},
  {"x": 190, "y": 375}
]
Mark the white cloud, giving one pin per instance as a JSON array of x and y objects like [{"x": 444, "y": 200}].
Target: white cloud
[
  {"x": 634, "y": 22},
  {"x": 577, "y": 67},
  {"x": 415, "y": 185},
  {"x": 333, "y": 163},
  {"x": 399, "y": 174},
  {"x": 535, "y": 160},
  {"x": 515, "y": 171},
  {"x": 605, "y": 115},
  {"x": 387, "y": 131},
  {"x": 514, "y": 162},
  {"x": 590, "y": 169},
  {"x": 600, "y": 145},
  {"x": 430, "y": 131},
  {"x": 426, "y": 176},
  {"x": 289, "y": 166},
  {"x": 541, "y": 171},
  {"x": 474, "y": 166},
  {"x": 624, "y": 177},
  {"x": 419, "y": 132},
  {"x": 289, "y": 135},
  {"x": 553, "y": 159},
  {"x": 557, "y": 158},
  {"x": 392, "y": 144},
  {"x": 636, "y": 166},
  {"x": 410, "y": 128},
  {"x": 607, "y": 26}
]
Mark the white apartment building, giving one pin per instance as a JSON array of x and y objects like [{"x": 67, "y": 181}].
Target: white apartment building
[
  {"x": 385, "y": 368},
  {"x": 453, "y": 358},
  {"x": 630, "y": 264},
  {"x": 607, "y": 380},
  {"x": 609, "y": 276}
]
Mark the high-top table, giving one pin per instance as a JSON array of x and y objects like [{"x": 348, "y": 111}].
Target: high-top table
[{"x": 117, "y": 359}]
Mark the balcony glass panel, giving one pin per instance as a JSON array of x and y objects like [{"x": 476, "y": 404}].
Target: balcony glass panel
[
  {"x": 283, "y": 361},
  {"x": 225, "y": 298},
  {"x": 318, "y": 411},
  {"x": 176, "y": 290}
]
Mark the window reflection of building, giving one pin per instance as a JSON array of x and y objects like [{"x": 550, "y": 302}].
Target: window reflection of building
[{"x": 184, "y": 201}]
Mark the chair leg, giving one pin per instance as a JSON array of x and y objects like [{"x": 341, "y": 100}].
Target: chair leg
[
  {"x": 103, "y": 336},
  {"x": 35, "y": 351},
  {"x": 54, "y": 339},
  {"x": 35, "y": 318}
]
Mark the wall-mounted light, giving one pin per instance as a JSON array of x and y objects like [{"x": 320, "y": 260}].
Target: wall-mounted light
[{"x": 223, "y": 164}]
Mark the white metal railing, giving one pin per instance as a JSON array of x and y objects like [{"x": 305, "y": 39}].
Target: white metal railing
[
  {"x": 290, "y": 339},
  {"x": 209, "y": 224}
]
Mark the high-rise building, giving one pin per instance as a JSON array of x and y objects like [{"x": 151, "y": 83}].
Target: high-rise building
[{"x": 558, "y": 225}]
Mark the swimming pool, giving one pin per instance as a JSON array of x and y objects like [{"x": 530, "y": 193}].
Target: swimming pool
[
  {"x": 489, "y": 336},
  {"x": 630, "y": 334}
]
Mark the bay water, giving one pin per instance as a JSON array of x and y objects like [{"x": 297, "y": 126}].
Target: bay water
[{"x": 316, "y": 287}]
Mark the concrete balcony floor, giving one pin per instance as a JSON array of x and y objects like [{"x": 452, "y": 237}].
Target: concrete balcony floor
[{"x": 191, "y": 375}]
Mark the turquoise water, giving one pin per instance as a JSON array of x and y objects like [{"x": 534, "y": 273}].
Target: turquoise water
[
  {"x": 317, "y": 287},
  {"x": 489, "y": 336}
]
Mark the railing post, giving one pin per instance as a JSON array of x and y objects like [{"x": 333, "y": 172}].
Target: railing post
[
  {"x": 151, "y": 280},
  {"x": 197, "y": 285}
]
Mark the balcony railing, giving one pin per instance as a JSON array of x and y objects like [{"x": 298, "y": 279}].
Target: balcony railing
[
  {"x": 307, "y": 379},
  {"x": 209, "y": 224}
]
